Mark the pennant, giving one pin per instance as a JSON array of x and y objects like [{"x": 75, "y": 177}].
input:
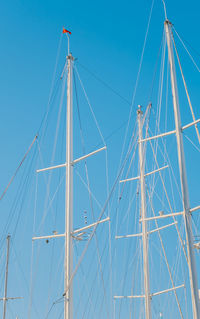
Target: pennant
[{"x": 66, "y": 31}]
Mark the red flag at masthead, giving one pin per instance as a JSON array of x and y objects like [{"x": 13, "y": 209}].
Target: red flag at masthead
[{"x": 66, "y": 31}]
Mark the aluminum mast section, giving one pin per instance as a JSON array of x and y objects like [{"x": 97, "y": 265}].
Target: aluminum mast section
[
  {"x": 183, "y": 178},
  {"x": 143, "y": 217},
  {"x": 68, "y": 304},
  {"x": 6, "y": 279},
  {"x": 69, "y": 163}
]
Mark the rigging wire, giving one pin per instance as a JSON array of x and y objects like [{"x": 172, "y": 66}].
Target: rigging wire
[
  {"x": 54, "y": 87},
  {"x": 127, "y": 214},
  {"x": 193, "y": 144},
  {"x": 169, "y": 203},
  {"x": 53, "y": 304},
  {"x": 137, "y": 80},
  {"x": 85, "y": 286},
  {"x": 90, "y": 198},
  {"x": 89, "y": 190},
  {"x": 99, "y": 218},
  {"x": 58, "y": 270},
  {"x": 156, "y": 223},
  {"x": 19, "y": 199},
  {"x": 186, "y": 90},
  {"x": 155, "y": 68},
  {"x": 164, "y": 252},
  {"x": 25, "y": 187},
  {"x": 51, "y": 97},
  {"x": 156, "y": 143},
  {"x": 20, "y": 164},
  {"x": 167, "y": 160},
  {"x": 130, "y": 204},
  {"x": 20, "y": 194},
  {"x": 131, "y": 145},
  {"x": 104, "y": 83},
  {"x": 192, "y": 59},
  {"x": 178, "y": 304},
  {"x": 60, "y": 181},
  {"x": 92, "y": 289},
  {"x": 90, "y": 106},
  {"x": 22, "y": 271},
  {"x": 53, "y": 154}
]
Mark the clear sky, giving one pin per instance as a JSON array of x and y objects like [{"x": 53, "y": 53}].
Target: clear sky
[{"x": 107, "y": 39}]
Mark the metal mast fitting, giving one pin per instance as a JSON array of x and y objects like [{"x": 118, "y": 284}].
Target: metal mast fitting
[
  {"x": 143, "y": 217},
  {"x": 183, "y": 178},
  {"x": 68, "y": 304}
]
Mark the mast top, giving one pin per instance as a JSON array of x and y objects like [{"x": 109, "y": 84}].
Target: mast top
[
  {"x": 168, "y": 22},
  {"x": 70, "y": 57},
  {"x": 139, "y": 111}
]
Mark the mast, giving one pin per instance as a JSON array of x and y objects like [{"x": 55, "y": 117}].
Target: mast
[
  {"x": 143, "y": 217},
  {"x": 69, "y": 163},
  {"x": 68, "y": 304},
  {"x": 183, "y": 178},
  {"x": 6, "y": 278}
]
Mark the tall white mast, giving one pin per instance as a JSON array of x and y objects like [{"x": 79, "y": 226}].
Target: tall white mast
[
  {"x": 183, "y": 177},
  {"x": 69, "y": 163},
  {"x": 143, "y": 217},
  {"x": 68, "y": 305},
  {"x": 6, "y": 278}
]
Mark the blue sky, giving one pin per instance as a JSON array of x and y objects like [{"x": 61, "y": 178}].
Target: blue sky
[{"x": 107, "y": 39}]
